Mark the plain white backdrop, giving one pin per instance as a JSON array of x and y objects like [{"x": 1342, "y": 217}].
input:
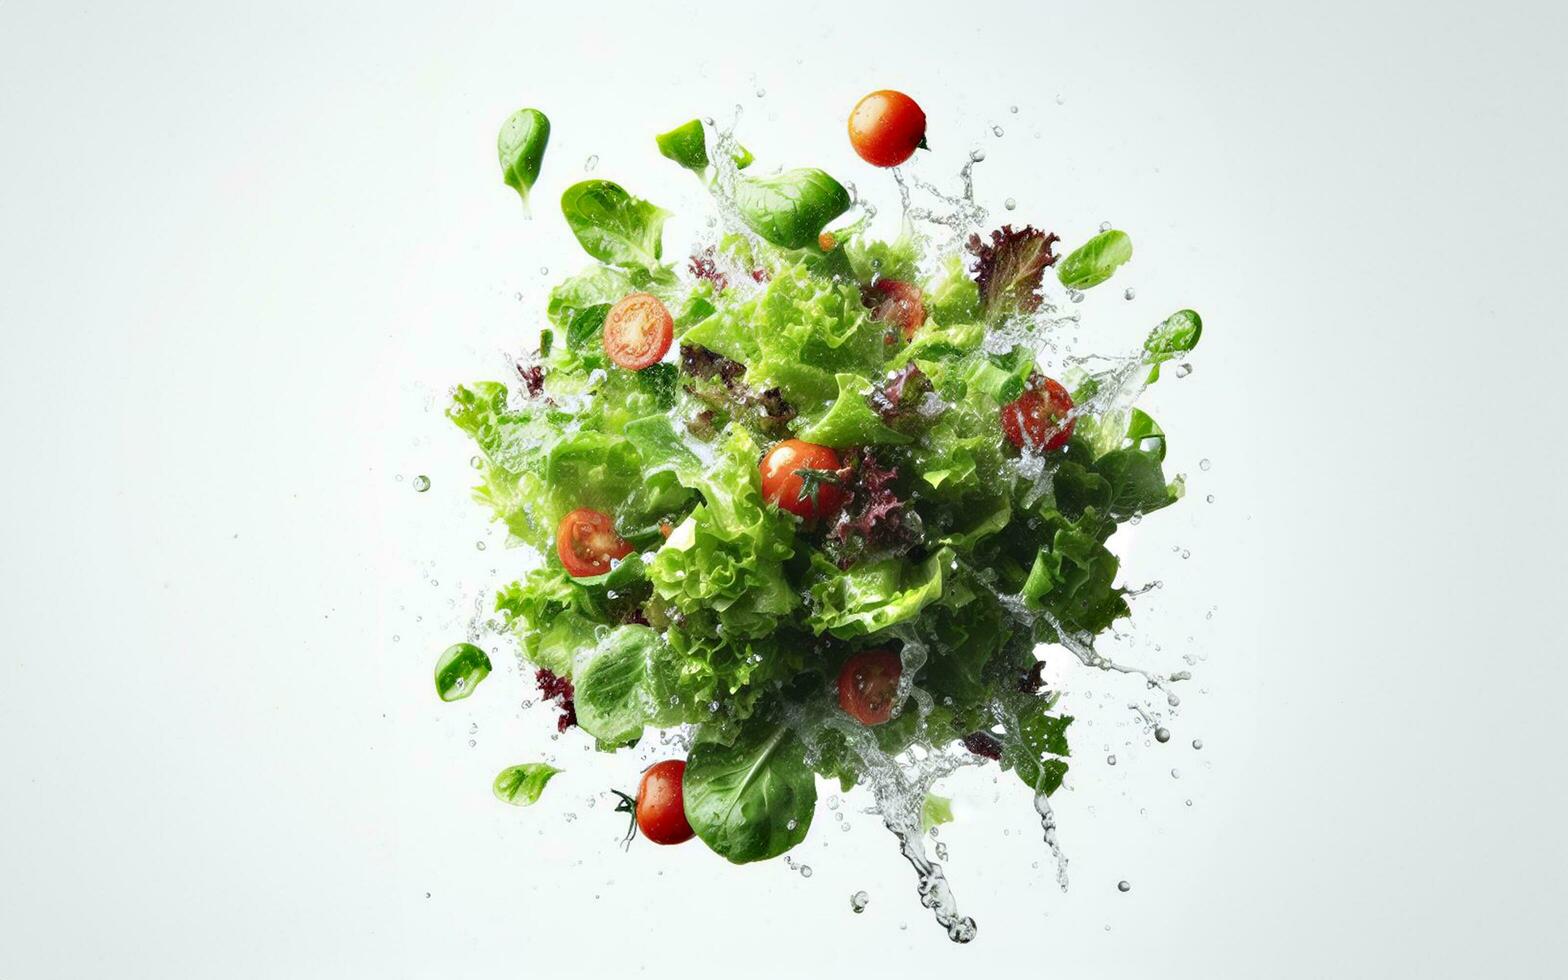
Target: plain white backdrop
[{"x": 246, "y": 248}]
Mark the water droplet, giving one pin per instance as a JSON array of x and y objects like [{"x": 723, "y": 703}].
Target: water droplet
[
  {"x": 833, "y": 803},
  {"x": 1075, "y": 295},
  {"x": 472, "y": 743},
  {"x": 1171, "y": 699},
  {"x": 1175, "y": 773},
  {"x": 761, "y": 92},
  {"x": 427, "y": 894},
  {"x": 1209, "y": 498},
  {"x": 591, "y": 162},
  {"x": 421, "y": 483},
  {"x": 976, "y": 155},
  {"x": 1183, "y": 369},
  {"x": 1010, "y": 204},
  {"x": 805, "y": 871},
  {"x": 1197, "y": 743},
  {"x": 1060, "y": 100},
  {"x": 792, "y": 824},
  {"x": 1189, "y": 803},
  {"x": 858, "y": 902},
  {"x": 1204, "y": 464},
  {"x": 1162, "y": 735},
  {"x": 1013, "y": 109},
  {"x": 1130, "y": 293},
  {"x": 996, "y": 131},
  {"x": 544, "y": 270},
  {"x": 903, "y": 927},
  {"x": 1105, "y": 226},
  {"x": 1124, "y": 886},
  {"x": 476, "y": 462},
  {"x": 1185, "y": 553},
  {"x": 1110, "y": 760}
]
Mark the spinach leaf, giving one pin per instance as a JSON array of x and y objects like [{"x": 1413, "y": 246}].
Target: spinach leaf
[
  {"x": 459, "y": 670},
  {"x": 521, "y": 145},
  {"x": 753, "y": 799},
  {"x": 1146, "y": 434},
  {"x": 687, "y": 145},
  {"x": 586, "y": 330},
  {"x": 613, "y": 226},
  {"x": 611, "y": 685},
  {"x": 791, "y": 209},
  {"x": 1095, "y": 261},
  {"x": 1137, "y": 484},
  {"x": 521, "y": 785},
  {"x": 1177, "y": 335}
]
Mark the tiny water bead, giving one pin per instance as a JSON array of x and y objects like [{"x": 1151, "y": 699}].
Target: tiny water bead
[
  {"x": 1130, "y": 293},
  {"x": 976, "y": 156},
  {"x": 1197, "y": 743},
  {"x": 592, "y": 162},
  {"x": 1162, "y": 735},
  {"x": 544, "y": 270},
  {"x": 996, "y": 131},
  {"x": 421, "y": 483},
  {"x": 1105, "y": 226},
  {"x": 858, "y": 902},
  {"x": 1183, "y": 369},
  {"x": 805, "y": 871},
  {"x": 1209, "y": 498},
  {"x": 1124, "y": 886},
  {"x": 476, "y": 462},
  {"x": 1013, "y": 109},
  {"x": 1175, "y": 773},
  {"x": 1010, "y": 204},
  {"x": 1110, "y": 760}
]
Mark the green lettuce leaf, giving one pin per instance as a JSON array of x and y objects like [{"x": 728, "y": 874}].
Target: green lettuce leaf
[{"x": 871, "y": 596}]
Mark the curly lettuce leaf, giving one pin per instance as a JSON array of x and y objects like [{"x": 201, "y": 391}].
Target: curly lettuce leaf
[{"x": 872, "y": 596}]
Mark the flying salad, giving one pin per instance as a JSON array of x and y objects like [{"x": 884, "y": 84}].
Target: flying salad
[{"x": 805, "y": 492}]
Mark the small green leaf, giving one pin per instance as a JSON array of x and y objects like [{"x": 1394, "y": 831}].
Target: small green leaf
[
  {"x": 935, "y": 811},
  {"x": 790, "y": 209},
  {"x": 687, "y": 145},
  {"x": 1177, "y": 335},
  {"x": 743, "y": 157},
  {"x": 521, "y": 785},
  {"x": 521, "y": 144},
  {"x": 586, "y": 331},
  {"x": 1146, "y": 434},
  {"x": 1095, "y": 261},
  {"x": 613, "y": 226},
  {"x": 459, "y": 670}
]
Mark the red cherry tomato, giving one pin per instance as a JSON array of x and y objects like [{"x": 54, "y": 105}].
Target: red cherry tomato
[
  {"x": 866, "y": 685},
  {"x": 898, "y": 303},
  {"x": 638, "y": 331},
  {"x": 886, "y": 128},
  {"x": 798, "y": 476},
  {"x": 587, "y": 543},
  {"x": 661, "y": 810},
  {"x": 1039, "y": 418}
]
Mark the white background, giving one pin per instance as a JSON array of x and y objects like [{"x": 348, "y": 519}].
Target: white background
[{"x": 246, "y": 248}]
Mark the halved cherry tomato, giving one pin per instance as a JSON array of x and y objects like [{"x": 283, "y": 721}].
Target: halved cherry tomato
[
  {"x": 898, "y": 303},
  {"x": 587, "y": 543},
  {"x": 1039, "y": 418},
  {"x": 886, "y": 127},
  {"x": 638, "y": 331},
  {"x": 801, "y": 478},
  {"x": 866, "y": 685},
  {"x": 661, "y": 809}
]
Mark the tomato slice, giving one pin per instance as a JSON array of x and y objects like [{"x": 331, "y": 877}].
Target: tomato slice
[
  {"x": 661, "y": 807},
  {"x": 801, "y": 477},
  {"x": 886, "y": 128},
  {"x": 638, "y": 331},
  {"x": 586, "y": 542},
  {"x": 867, "y": 684},
  {"x": 1040, "y": 418},
  {"x": 899, "y": 304}
]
